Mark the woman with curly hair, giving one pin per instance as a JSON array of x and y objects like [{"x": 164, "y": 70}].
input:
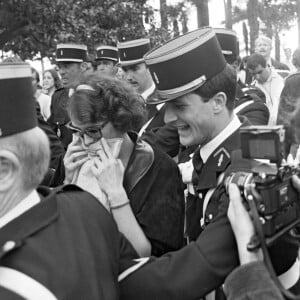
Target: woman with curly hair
[{"x": 106, "y": 110}]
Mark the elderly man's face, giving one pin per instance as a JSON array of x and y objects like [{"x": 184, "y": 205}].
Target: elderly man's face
[{"x": 263, "y": 48}]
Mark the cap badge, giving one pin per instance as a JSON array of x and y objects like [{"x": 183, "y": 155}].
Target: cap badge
[
  {"x": 101, "y": 52},
  {"x": 124, "y": 54},
  {"x": 155, "y": 78},
  {"x": 61, "y": 52},
  {"x": 220, "y": 160}
]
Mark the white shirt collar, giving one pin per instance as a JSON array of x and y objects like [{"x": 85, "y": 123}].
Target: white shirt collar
[
  {"x": 211, "y": 146},
  {"x": 31, "y": 200},
  {"x": 148, "y": 92}
]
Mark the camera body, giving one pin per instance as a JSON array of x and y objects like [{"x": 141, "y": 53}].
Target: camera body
[{"x": 260, "y": 172}]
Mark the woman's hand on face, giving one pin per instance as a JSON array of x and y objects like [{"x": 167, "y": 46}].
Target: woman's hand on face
[
  {"x": 74, "y": 158},
  {"x": 109, "y": 172}
]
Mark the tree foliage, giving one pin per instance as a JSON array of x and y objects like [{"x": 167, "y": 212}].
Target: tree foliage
[
  {"x": 31, "y": 27},
  {"x": 274, "y": 15},
  {"x": 28, "y": 27}
]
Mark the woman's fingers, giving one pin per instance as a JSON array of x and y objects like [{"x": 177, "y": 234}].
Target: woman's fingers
[{"x": 106, "y": 149}]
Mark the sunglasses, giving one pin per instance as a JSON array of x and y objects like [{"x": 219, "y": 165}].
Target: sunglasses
[{"x": 94, "y": 132}]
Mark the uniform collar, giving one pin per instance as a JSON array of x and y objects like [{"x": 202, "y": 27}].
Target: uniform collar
[
  {"x": 209, "y": 148},
  {"x": 218, "y": 161},
  {"x": 31, "y": 200},
  {"x": 28, "y": 223}
]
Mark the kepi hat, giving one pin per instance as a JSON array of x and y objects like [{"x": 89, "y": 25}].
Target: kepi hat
[
  {"x": 183, "y": 64},
  {"x": 71, "y": 53},
  {"x": 228, "y": 41},
  {"x": 107, "y": 52},
  {"x": 17, "y": 105},
  {"x": 132, "y": 52}
]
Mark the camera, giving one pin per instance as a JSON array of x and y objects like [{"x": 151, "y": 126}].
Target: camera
[{"x": 260, "y": 171}]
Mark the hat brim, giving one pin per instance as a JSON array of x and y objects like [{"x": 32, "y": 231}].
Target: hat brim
[
  {"x": 106, "y": 58},
  {"x": 161, "y": 97},
  {"x": 69, "y": 60},
  {"x": 131, "y": 62}
]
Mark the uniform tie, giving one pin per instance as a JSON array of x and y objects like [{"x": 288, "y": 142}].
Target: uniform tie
[{"x": 198, "y": 164}]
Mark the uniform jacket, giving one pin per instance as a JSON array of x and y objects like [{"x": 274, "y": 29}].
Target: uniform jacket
[
  {"x": 59, "y": 116},
  {"x": 69, "y": 244},
  {"x": 203, "y": 265},
  {"x": 251, "y": 106},
  {"x": 56, "y": 147},
  {"x": 158, "y": 133}
]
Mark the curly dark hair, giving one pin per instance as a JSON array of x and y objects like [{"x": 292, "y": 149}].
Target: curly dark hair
[{"x": 111, "y": 101}]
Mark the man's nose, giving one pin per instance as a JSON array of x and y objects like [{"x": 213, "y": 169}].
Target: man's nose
[{"x": 87, "y": 140}]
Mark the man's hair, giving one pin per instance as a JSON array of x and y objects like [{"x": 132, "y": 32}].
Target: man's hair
[
  {"x": 265, "y": 39},
  {"x": 32, "y": 149},
  {"x": 255, "y": 60},
  {"x": 225, "y": 81},
  {"x": 112, "y": 101},
  {"x": 296, "y": 58}
]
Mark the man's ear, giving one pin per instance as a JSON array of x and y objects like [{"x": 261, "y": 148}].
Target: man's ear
[
  {"x": 219, "y": 102},
  {"x": 83, "y": 66},
  {"x": 9, "y": 169}
]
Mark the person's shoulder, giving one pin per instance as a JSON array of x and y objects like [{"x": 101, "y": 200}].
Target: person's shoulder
[
  {"x": 73, "y": 199},
  {"x": 60, "y": 91}
]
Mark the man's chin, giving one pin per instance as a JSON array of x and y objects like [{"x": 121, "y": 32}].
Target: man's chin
[{"x": 187, "y": 141}]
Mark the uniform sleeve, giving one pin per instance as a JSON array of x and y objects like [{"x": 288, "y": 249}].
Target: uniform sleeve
[
  {"x": 189, "y": 273},
  {"x": 251, "y": 281},
  {"x": 257, "y": 113}
]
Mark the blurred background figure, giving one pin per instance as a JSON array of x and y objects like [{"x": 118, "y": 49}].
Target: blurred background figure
[
  {"x": 268, "y": 80},
  {"x": 51, "y": 82},
  {"x": 296, "y": 59},
  {"x": 263, "y": 46},
  {"x": 106, "y": 60},
  {"x": 43, "y": 100}
]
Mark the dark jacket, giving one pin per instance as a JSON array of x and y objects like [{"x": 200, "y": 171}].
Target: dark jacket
[
  {"x": 56, "y": 147},
  {"x": 68, "y": 243},
  {"x": 250, "y": 103},
  {"x": 59, "y": 116}
]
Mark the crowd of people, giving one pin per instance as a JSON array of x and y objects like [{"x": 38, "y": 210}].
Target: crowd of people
[{"x": 112, "y": 171}]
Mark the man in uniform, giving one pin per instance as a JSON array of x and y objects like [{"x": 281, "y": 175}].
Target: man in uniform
[
  {"x": 199, "y": 99},
  {"x": 71, "y": 59},
  {"x": 106, "y": 60},
  {"x": 247, "y": 103},
  {"x": 136, "y": 72},
  {"x": 59, "y": 244}
]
